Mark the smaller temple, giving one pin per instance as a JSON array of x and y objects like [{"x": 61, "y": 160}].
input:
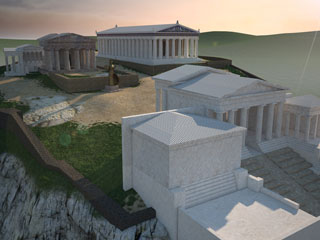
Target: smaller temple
[
  {"x": 67, "y": 52},
  {"x": 23, "y": 59}
]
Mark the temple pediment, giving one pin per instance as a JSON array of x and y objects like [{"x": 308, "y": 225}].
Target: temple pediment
[
  {"x": 254, "y": 88},
  {"x": 178, "y": 28}
]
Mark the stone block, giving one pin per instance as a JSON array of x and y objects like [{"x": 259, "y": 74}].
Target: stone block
[
  {"x": 241, "y": 176},
  {"x": 255, "y": 183}
]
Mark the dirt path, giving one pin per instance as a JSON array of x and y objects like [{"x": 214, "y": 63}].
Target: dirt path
[{"x": 95, "y": 107}]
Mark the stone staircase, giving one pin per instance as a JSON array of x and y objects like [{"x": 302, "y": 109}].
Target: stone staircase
[
  {"x": 248, "y": 152},
  {"x": 273, "y": 144},
  {"x": 287, "y": 173},
  {"x": 209, "y": 189}
]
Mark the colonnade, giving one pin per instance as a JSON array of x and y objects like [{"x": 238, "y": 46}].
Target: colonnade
[
  {"x": 311, "y": 127},
  {"x": 71, "y": 59},
  {"x": 149, "y": 48},
  {"x": 14, "y": 67}
]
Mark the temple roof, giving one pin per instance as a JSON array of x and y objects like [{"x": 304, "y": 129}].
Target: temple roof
[
  {"x": 172, "y": 128},
  {"x": 147, "y": 29},
  {"x": 308, "y": 101},
  {"x": 213, "y": 82},
  {"x": 24, "y": 47}
]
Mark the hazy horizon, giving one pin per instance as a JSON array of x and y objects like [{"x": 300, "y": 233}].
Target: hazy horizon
[{"x": 30, "y": 19}]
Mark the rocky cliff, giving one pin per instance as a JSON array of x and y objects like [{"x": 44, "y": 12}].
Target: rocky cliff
[{"x": 27, "y": 213}]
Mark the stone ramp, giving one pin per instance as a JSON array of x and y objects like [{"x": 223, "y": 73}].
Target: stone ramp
[{"x": 287, "y": 173}]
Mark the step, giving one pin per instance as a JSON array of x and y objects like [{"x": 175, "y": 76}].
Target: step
[
  {"x": 302, "y": 173},
  {"x": 298, "y": 167},
  {"x": 248, "y": 161},
  {"x": 290, "y": 162},
  {"x": 312, "y": 187},
  {"x": 316, "y": 194},
  {"x": 308, "y": 179},
  {"x": 260, "y": 172},
  {"x": 254, "y": 166},
  {"x": 209, "y": 181},
  {"x": 282, "y": 190},
  {"x": 206, "y": 188},
  {"x": 273, "y": 184},
  {"x": 283, "y": 157},
  {"x": 267, "y": 179},
  {"x": 192, "y": 202},
  {"x": 279, "y": 152}
]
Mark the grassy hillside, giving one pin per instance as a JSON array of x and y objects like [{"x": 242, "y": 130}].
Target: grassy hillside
[
  {"x": 213, "y": 39},
  {"x": 279, "y": 58}
]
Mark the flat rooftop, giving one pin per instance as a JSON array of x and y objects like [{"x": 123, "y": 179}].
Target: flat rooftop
[
  {"x": 246, "y": 214},
  {"x": 308, "y": 101}
]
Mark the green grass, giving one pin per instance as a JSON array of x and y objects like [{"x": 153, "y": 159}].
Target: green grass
[
  {"x": 44, "y": 80},
  {"x": 11, "y": 104},
  {"x": 44, "y": 178},
  {"x": 95, "y": 152},
  {"x": 236, "y": 71}
]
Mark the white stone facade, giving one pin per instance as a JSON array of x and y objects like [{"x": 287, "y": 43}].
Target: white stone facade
[
  {"x": 22, "y": 59},
  {"x": 150, "y": 45},
  {"x": 187, "y": 167},
  {"x": 67, "y": 52}
]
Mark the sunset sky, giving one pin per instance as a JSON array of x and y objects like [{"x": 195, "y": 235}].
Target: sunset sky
[{"x": 34, "y": 18}]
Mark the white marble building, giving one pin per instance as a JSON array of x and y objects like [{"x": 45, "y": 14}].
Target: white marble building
[
  {"x": 187, "y": 166},
  {"x": 22, "y": 59},
  {"x": 67, "y": 52},
  {"x": 150, "y": 45},
  {"x": 273, "y": 119}
]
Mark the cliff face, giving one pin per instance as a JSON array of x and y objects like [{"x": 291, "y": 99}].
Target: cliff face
[{"x": 26, "y": 213}]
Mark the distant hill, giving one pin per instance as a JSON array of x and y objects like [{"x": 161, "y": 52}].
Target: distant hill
[
  {"x": 279, "y": 58},
  {"x": 213, "y": 39}
]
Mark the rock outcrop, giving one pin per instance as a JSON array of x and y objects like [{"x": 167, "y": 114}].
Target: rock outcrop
[{"x": 27, "y": 213}]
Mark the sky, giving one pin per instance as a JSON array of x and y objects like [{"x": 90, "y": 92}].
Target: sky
[{"x": 30, "y": 19}]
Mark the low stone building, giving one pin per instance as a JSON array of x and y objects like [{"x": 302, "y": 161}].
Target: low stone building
[
  {"x": 67, "y": 52},
  {"x": 22, "y": 59}
]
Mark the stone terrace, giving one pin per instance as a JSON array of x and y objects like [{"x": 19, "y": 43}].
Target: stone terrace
[{"x": 287, "y": 173}]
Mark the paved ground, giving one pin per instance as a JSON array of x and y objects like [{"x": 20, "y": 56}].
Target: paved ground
[{"x": 287, "y": 173}]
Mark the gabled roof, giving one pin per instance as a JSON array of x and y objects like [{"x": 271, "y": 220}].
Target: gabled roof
[
  {"x": 308, "y": 101},
  {"x": 144, "y": 29},
  {"x": 53, "y": 36},
  {"x": 172, "y": 128},
  {"x": 186, "y": 72},
  {"x": 24, "y": 47}
]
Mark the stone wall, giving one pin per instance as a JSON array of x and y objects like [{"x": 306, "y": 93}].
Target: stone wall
[
  {"x": 87, "y": 84},
  {"x": 109, "y": 209}
]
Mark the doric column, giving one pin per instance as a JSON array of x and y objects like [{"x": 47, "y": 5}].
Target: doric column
[
  {"x": 192, "y": 48},
  {"x": 57, "y": 60},
  {"x": 179, "y": 48},
  {"x": 186, "y": 47},
  {"x": 243, "y": 117},
  {"x": 154, "y": 49},
  {"x": 279, "y": 119},
  {"x": 173, "y": 48},
  {"x": 259, "y": 123},
  {"x": 150, "y": 48},
  {"x": 157, "y": 99},
  {"x": 196, "y": 49},
  {"x": 13, "y": 63},
  {"x": 164, "y": 99},
  {"x": 7, "y": 66},
  {"x": 231, "y": 116},
  {"x": 88, "y": 58},
  {"x": 315, "y": 127},
  {"x": 287, "y": 127},
  {"x": 167, "y": 48},
  {"x": 219, "y": 116},
  {"x": 307, "y": 130},
  {"x": 297, "y": 126},
  {"x": 93, "y": 59},
  {"x": 66, "y": 60},
  {"x": 77, "y": 59},
  {"x": 141, "y": 48},
  {"x": 160, "y": 48},
  {"x": 20, "y": 63},
  {"x": 270, "y": 121},
  {"x": 51, "y": 60}
]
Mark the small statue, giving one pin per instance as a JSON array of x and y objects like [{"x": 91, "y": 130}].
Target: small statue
[{"x": 113, "y": 78}]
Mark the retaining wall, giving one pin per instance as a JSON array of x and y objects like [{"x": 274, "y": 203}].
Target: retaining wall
[{"x": 10, "y": 119}]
